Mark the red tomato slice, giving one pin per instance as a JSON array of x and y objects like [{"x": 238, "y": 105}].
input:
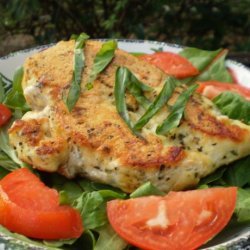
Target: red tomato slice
[
  {"x": 30, "y": 208},
  {"x": 180, "y": 220},
  {"x": 172, "y": 64},
  {"x": 211, "y": 89},
  {"x": 5, "y": 114}
]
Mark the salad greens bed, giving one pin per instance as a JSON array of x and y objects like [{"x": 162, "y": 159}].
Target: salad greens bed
[{"x": 90, "y": 198}]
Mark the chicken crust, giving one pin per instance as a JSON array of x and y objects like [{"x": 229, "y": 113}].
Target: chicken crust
[{"x": 93, "y": 141}]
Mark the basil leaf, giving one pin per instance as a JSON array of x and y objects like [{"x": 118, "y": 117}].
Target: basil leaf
[
  {"x": 79, "y": 62},
  {"x": 14, "y": 98},
  {"x": 102, "y": 59},
  {"x": 121, "y": 83},
  {"x": 137, "y": 54},
  {"x": 109, "y": 239},
  {"x": 234, "y": 106},
  {"x": 238, "y": 174},
  {"x": 174, "y": 118},
  {"x": 110, "y": 194},
  {"x": 159, "y": 102},
  {"x": 136, "y": 88},
  {"x": 242, "y": 209},
  {"x": 216, "y": 71},
  {"x": 145, "y": 190},
  {"x": 199, "y": 58}
]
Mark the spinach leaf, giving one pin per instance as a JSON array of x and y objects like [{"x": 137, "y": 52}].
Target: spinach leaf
[
  {"x": 159, "y": 102},
  {"x": 69, "y": 192},
  {"x": 145, "y": 190},
  {"x": 88, "y": 240},
  {"x": 174, "y": 118},
  {"x": 2, "y": 90},
  {"x": 108, "y": 239},
  {"x": 7, "y": 163},
  {"x": 216, "y": 70},
  {"x": 238, "y": 174},
  {"x": 8, "y": 150},
  {"x": 3, "y": 168},
  {"x": 58, "y": 243},
  {"x": 199, "y": 58},
  {"x": 214, "y": 177},
  {"x": 234, "y": 106},
  {"x": 92, "y": 207},
  {"x": 102, "y": 59},
  {"x": 14, "y": 97},
  {"x": 242, "y": 209},
  {"x": 18, "y": 241},
  {"x": 79, "y": 62},
  {"x": 5, "y": 86}
]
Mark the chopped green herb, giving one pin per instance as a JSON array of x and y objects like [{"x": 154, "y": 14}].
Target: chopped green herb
[
  {"x": 79, "y": 62},
  {"x": 102, "y": 59},
  {"x": 177, "y": 111},
  {"x": 159, "y": 102}
]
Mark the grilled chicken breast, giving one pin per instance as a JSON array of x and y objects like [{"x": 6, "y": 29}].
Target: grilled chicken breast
[{"x": 93, "y": 141}]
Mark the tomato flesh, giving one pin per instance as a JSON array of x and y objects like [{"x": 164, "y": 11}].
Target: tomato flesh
[
  {"x": 30, "y": 208},
  {"x": 172, "y": 64},
  {"x": 211, "y": 89},
  {"x": 5, "y": 114},
  {"x": 180, "y": 220}
]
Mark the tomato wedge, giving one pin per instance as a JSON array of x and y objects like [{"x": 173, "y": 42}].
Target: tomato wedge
[
  {"x": 172, "y": 64},
  {"x": 211, "y": 89},
  {"x": 180, "y": 220},
  {"x": 30, "y": 208},
  {"x": 5, "y": 114}
]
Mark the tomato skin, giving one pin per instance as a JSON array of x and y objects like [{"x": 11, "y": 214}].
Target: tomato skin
[
  {"x": 172, "y": 64},
  {"x": 211, "y": 89},
  {"x": 5, "y": 114},
  {"x": 187, "y": 219},
  {"x": 30, "y": 208}
]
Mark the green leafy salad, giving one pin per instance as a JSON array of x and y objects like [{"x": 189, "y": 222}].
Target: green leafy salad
[{"x": 90, "y": 198}]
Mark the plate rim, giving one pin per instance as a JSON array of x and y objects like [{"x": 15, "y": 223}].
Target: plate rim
[{"x": 235, "y": 242}]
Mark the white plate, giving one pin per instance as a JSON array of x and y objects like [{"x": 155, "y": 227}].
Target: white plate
[{"x": 236, "y": 238}]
